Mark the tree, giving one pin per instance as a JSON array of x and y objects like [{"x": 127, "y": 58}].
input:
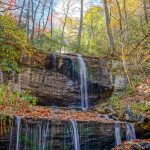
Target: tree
[
  {"x": 13, "y": 41},
  {"x": 120, "y": 15},
  {"x": 48, "y": 15},
  {"x": 34, "y": 14},
  {"x": 42, "y": 14},
  {"x": 145, "y": 10},
  {"x": 109, "y": 31},
  {"x": 28, "y": 18},
  {"x": 80, "y": 27},
  {"x": 52, "y": 2},
  {"x": 21, "y": 13},
  {"x": 64, "y": 25}
]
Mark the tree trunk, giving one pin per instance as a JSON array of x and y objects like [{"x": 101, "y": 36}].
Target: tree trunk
[
  {"x": 120, "y": 15},
  {"x": 126, "y": 35},
  {"x": 49, "y": 11},
  {"x": 42, "y": 14},
  {"x": 34, "y": 13},
  {"x": 80, "y": 27},
  {"x": 28, "y": 19},
  {"x": 21, "y": 13},
  {"x": 125, "y": 43},
  {"x": 109, "y": 31},
  {"x": 145, "y": 11},
  {"x": 52, "y": 19},
  {"x": 63, "y": 29}
]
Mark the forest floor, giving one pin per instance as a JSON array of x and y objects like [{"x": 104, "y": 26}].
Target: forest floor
[
  {"x": 134, "y": 145},
  {"x": 138, "y": 100},
  {"x": 47, "y": 113}
]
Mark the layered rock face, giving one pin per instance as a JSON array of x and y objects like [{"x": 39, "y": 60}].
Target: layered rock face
[
  {"x": 59, "y": 135},
  {"x": 55, "y": 79},
  {"x": 38, "y": 134}
]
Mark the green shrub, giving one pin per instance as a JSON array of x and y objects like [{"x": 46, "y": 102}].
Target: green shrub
[
  {"x": 13, "y": 41},
  {"x": 129, "y": 90},
  {"x": 7, "y": 96},
  {"x": 27, "y": 97},
  {"x": 142, "y": 107}
]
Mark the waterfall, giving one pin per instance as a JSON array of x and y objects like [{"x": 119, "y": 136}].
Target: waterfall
[
  {"x": 83, "y": 83},
  {"x": 18, "y": 122},
  {"x": 26, "y": 135},
  {"x": 45, "y": 136},
  {"x": 130, "y": 132},
  {"x": 1, "y": 77},
  {"x": 117, "y": 133},
  {"x": 19, "y": 83},
  {"x": 75, "y": 135}
]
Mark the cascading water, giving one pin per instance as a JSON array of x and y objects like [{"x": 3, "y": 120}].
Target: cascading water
[
  {"x": 45, "y": 135},
  {"x": 1, "y": 77},
  {"x": 75, "y": 135},
  {"x": 117, "y": 133},
  {"x": 130, "y": 132},
  {"x": 19, "y": 83},
  {"x": 18, "y": 122},
  {"x": 83, "y": 83}
]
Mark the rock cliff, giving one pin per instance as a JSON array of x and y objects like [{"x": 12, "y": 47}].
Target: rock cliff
[{"x": 55, "y": 79}]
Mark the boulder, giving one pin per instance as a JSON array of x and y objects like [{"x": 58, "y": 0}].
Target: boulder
[{"x": 130, "y": 116}]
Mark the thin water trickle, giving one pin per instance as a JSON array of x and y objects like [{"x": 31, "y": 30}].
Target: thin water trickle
[
  {"x": 11, "y": 133},
  {"x": 45, "y": 135},
  {"x": 19, "y": 83},
  {"x": 54, "y": 59},
  {"x": 26, "y": 135},
  {"x": 51, "y": 136},
  {"x": 18, "y": 123},
  {"x": 75, "y": 135},
  {"x": 117, "y": 133},
  {"x": 83, "y": 83},
  {"x": 130, "y": 132},
  {"x": 1, "y": 77}
]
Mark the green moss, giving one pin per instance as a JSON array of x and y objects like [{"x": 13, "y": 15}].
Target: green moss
[{"x": 142, "y": 107}]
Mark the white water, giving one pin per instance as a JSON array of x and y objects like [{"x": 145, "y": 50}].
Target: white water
[
  {"x": 130, "y": 132},
  {"x": 18, "y": 122},
  {"x": 83, "y": 83},
  {"x": 1, "y": 77},
  {"x": 45, "y": 136},
  {"x": 75, "y": 135},
  {"x": 117, "y": 134},
  {"x": 19, "y": 83}
]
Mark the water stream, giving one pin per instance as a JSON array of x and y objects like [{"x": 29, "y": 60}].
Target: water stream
[
  {"x": 117, "y": 133},
  {"x": 75, "y": 135},
  {"x": 18, "y": 122},
  {"x": 130, "y": 132},
  {"x": 83, "y": 83},
  {"x": 1, "y": 77}
]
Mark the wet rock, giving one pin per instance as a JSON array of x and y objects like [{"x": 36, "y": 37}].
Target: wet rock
[
  {"x": 55, "y": 79},
  {"x": 135, "y": 147},
  {"x": 143, "y": 129},
  {"x": 120, "y": 82},
  {"x": 147, "y": 146},
  {"x": 58, "y": 134},
  {"x": 132, "y": 117},
  {"x": 113, "y": 116}
]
